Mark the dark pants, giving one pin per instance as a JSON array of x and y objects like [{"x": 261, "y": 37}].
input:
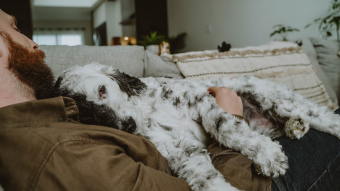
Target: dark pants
[{"x": 314, "y": 163}]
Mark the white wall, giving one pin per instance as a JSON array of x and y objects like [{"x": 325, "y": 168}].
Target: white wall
[
  {"x": 114, "y": 17},
  {"x": 239, "y": 22},
  {"x": 128, "y": 8},
  {"x": 109, "y": 12},
  {"x": 61, "y": 14},
  {"x": 99, "y": 15}
]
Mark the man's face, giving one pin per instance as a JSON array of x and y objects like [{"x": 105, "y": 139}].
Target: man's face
[
  {"x": 20, "y": 55},
  {"x": 8, "y": 25}
]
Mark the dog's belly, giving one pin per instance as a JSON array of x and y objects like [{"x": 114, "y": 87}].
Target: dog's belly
[
  {"x": 177, "y": 121},
  {"x": 258, "y": 122}
]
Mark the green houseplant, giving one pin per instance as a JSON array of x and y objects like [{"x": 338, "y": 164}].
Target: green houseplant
[
  {"x": 152, "y": 39},
  {"x": 330, "y": 22},
  {"x": 283, "y": 31}
]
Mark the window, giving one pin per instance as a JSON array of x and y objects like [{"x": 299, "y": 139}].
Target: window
[{"x": 71, "y": 37}]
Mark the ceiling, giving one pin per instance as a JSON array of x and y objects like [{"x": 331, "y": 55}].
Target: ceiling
[
  {"x": 65, "y": 3},
  {"x": 61, "y": 14},
  {"x": 63, "y": 10}
]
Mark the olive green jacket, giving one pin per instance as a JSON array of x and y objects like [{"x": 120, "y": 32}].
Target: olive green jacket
[{"x": 44, "y": 147}]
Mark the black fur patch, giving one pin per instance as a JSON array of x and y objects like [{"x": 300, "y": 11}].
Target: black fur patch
[
  {"x": 166, "y": 93},
  {"x": 219, "y": 122},
  {"x": 129, "y": 125},
  {"x": 177, "y": 101},
  {"x": 312, "y": 114},
  {"x": 190, "y": 104},
  {"x": 167, "y": 128},
  {"x": 199, "y": 98},
  {"x": 199, "y": 119},
  {"x": 211, "y": 174},
  {"x": 201, "y": 184},
  {"x": 212, "y": 107},
  {"x": 132, "y": 86},
  {"x": 94, "y": 114}
]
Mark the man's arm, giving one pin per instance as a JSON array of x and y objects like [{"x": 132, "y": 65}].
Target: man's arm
[
  {"x": 74, "y": 156},
  {"x": 235, "y": 167},
  {"x": 228, "y": 100},
  {"x": 97, "y": 169},
  {"x": 96, "y": 165}
]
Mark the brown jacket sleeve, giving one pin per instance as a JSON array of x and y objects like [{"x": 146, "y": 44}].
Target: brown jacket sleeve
[
  {"x": 121, "y": 162},
  {"x": 237, "y": 169}
]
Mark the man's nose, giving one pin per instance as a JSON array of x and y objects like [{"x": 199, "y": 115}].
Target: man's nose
[
  {"x": 35, "y": 45},
  {"x": 32, "y": 44}
]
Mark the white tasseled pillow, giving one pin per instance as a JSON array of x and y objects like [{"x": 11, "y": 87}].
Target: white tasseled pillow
[{"x": 282, "y": 62}]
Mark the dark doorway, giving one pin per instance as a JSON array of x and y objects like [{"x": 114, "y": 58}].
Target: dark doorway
[
  {"x": 100, "y": 38},
  {"x": 151, "y": 16},
  {"x": 21, "y": 9}
]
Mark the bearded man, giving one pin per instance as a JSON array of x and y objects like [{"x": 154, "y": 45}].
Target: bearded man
[{"x": 44, "y": 147}]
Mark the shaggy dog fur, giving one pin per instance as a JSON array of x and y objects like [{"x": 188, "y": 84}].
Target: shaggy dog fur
[{"x": 179, "y": 115}]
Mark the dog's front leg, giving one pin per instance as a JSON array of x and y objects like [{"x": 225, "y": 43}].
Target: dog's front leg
[
  {"x": 189, "y": 160},
  {"x": 236, "y": 134}
]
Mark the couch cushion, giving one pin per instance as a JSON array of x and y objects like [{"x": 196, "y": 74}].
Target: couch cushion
[
  {"x": 160, "y": 66},
  {"x": 129, "y": 59},
  {"x": 309, "y": 50},
  {"x": 281, "y": 62},
  {"x": 329, "y": 61}
]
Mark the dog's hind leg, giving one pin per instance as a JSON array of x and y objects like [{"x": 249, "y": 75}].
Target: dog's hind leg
[
  {"x": 236, "y": 134},
  {"x": 280, "y": 105},
  {"x": 287, "y": 108},
  {"x": 189, "y": 160}
]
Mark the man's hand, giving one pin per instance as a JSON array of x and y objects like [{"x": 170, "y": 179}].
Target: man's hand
[{"x": 228, "y": 100}]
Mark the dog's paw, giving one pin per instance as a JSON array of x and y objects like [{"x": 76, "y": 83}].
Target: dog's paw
[
  {"x": 271, "y": 162},
  {"x": 296, "y": 128}
]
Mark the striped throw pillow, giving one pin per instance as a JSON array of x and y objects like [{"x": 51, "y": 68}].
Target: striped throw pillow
[{"x": 281, "y": 62}]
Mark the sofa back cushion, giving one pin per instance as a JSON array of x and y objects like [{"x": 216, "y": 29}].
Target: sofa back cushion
[
  {"x": 128, "y": 59},
  {"x": 160, "y": 66},
  {"x": 329, "y": 60},
  {"x": 284, "y": 63},
  {"x": 310, "y": 51}
]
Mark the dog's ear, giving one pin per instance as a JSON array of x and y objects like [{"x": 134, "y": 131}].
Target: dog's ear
[
  {"x": 58, "y": 82},
  {"x": 132, "y": 86}
]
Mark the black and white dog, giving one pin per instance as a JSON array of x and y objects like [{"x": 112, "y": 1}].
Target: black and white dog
[{"x": 178, "y": 115}]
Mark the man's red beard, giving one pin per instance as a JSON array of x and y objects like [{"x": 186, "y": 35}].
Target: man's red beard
[{"x": 30, "y": 68}]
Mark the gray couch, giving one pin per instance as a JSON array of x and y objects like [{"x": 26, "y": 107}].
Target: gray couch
[
  {"x": 326, "y": 63},
  {"x": 135, "y": 61}
]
